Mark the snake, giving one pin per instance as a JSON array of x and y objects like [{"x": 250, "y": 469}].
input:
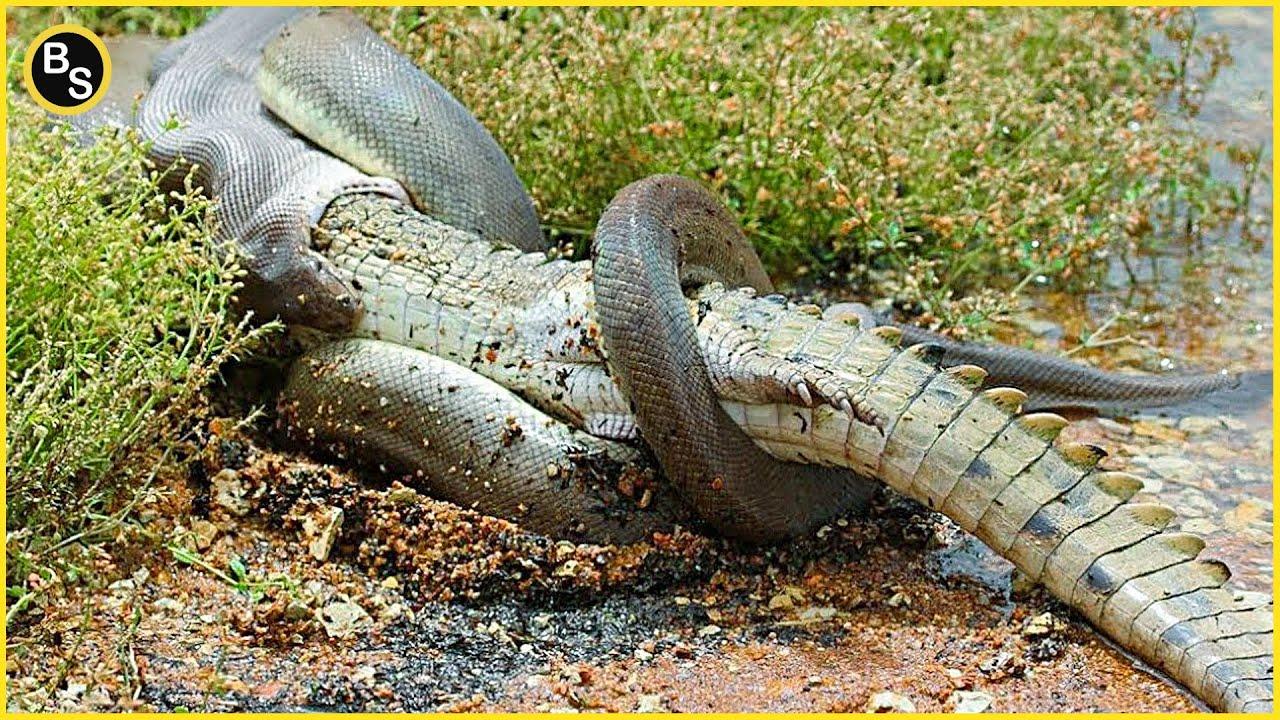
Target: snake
[
  {"x": 331, "y": 78},
  {"x": 518, "y": 384}
]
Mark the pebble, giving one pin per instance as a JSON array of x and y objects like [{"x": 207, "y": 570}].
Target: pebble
[
  {"x": 1199, "y": 526},
  {"x": 1158, "y": 430},
  {"x": 1038, "y": 327},
  {"x": 230, "y": 493},
  {"x": 970, "y": 701},
  {"x": 1152, "y": 485},
  {"x": 205, "y": 533},
  {"x": 1197, "y": 425},
  {"x": 1041, "y": 625},
  {"x": 169, "y": 605},
  {"x": 883, "y": 702},
  {"x": 650, "y": 704},
  {"x": 342, "y": 619},
  {"x": 321, "y": 529},
  {"x": 1114, "y": 428},
  {"x": 1172, "y": 467}
]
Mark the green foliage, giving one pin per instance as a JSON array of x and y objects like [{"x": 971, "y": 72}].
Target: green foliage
[
  {"x": 939, "y": 156},
  {"x": 118, "y": 319},
  {"x": 163, "y": 21}
]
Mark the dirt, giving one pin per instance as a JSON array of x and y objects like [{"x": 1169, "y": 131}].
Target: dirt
[{"x": 419, "y": 605}]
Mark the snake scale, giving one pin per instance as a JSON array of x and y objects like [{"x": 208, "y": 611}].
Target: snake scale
[{"x": 519, "y": 385}]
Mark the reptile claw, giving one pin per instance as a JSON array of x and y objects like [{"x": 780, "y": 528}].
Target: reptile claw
[{"x": 802, "y": 389}]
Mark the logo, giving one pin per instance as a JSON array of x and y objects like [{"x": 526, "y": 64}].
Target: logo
[{"x": 67, "y": 69}]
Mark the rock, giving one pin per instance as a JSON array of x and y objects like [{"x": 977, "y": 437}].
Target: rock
[
  {"x": 1038, "y": 327},
  {"x": 1159, "y": 431},
  {"x": 1199, "y": 526},
  {"x": 401, "y": 495},
  {"x": 709, "y": 630},
  {"x": 816, "y": 614},
  {"x": 169, "y": 605},
  {"x": 787, "y": 598},
  {"x": 1000, "y": 661},
  {"x": 124, "y": 586},
  {"x": 884, "y": 702},
  {"x": 296, "y": 610},
  {"x": 1242, "y": 515},
  {"x": 205, "y": 533},
  {"x": 1152, "y": 485},
  {"x": 320, "y": 528},
  {"x": 1197, "y": 425},
  {"x": 970, "y": 701},
  {"x": 1172, "y": 467},
  {"x": 343, "y": 619},
  {"x": 231, "y": 493},
  {"x": 1042, "y": 625},
  {"x": 781, "y": 601},
  {"x": 650, "y": 704},
  {"x": 1113, "y": 427},
  {"x": 1233, "y": 423}
]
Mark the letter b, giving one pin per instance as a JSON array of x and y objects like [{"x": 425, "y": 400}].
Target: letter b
[{"x": 60, "y": 56}]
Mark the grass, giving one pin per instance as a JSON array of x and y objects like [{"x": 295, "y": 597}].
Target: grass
[
  {"x": 118, "y": 319},
  {"x": 945, "y": 158},
  {"x": 941, "y": 157}
]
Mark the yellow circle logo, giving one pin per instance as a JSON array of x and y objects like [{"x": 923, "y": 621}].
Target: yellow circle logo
[{"x": 67, "y": 69}]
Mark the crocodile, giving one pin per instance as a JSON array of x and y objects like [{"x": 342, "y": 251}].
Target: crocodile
[
  {"x": 487, "y": 371},
  {"x": 944, "y": 440}
]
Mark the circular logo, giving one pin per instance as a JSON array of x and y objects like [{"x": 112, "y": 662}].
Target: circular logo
[{"x": 67, "y": 69}]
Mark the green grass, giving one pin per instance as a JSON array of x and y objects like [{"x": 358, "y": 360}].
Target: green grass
[
  {"x": 163, "y": 21},
  {"x": 118, "y": 319},
  {"x": 941, "y": 157},
  {"x": 945, "y": 158}
]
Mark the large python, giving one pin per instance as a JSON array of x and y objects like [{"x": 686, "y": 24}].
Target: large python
[{"x": 509, "y": 382}]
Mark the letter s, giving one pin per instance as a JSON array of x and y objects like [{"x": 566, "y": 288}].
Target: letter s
[{"x": 80, "y": 78}]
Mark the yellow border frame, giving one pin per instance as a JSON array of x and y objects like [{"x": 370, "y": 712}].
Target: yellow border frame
[
  {"x": 1275, "y": 277},
  {"x": 29, "y": 59}
]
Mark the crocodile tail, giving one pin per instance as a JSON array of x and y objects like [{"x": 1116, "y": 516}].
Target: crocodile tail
[{"x": 1046, "y": 506}]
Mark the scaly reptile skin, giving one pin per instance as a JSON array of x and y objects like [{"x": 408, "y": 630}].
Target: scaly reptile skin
[
  {"x": 736, "y": 487},
  {"x": 332, "y": 79},
  {"x": 531, "y": 327}
]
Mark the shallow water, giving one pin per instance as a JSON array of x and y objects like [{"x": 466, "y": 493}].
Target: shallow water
[{"x": 1203, "y": 302}]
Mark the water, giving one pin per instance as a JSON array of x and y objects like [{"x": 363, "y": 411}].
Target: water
[{"x": 1203, "y": 301}]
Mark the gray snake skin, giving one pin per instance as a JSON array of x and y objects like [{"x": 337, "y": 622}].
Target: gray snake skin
[{"x": 514, "y": 384}]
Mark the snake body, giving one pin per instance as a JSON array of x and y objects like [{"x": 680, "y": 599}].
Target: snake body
[
  {"x": 332, "y": 79},
  {"x": 766, "y": 418},
  {"x": 738, "y": 488}
]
